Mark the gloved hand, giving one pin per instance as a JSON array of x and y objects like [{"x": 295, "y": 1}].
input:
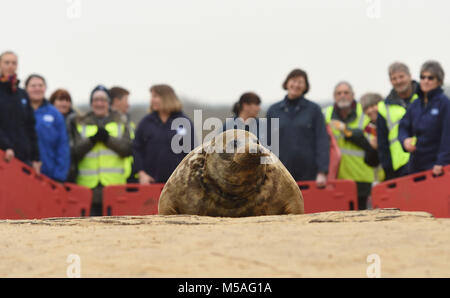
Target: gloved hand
[
  {"x": 94, "y": 139},
  {"x": 102, "y": 135}
]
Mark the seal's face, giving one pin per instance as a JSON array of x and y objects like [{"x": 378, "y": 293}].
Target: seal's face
[{"x": 233, "y": 161}]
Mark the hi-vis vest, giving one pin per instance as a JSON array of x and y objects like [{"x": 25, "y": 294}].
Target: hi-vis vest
[
  {"x": 352, "y": 165},
  {"x": 101, "y": 164},
  {"x": 393, "y": 114},
  {"x": 130, "y": 160}
]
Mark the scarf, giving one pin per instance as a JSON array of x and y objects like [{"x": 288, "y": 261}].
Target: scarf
[{"x": 12, "y": 80}]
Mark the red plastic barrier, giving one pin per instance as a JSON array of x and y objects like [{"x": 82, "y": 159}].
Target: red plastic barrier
[
  {"x": 79, "y": 200},
  {"x": 338, "y": 195},
  {"x": 131, "y": 199},
  {"x": 335, "y": 156},
  {"x": 417, "y": 192},
  {"x": 135, "y": 199},
  {"x": 26, "y": 195}
]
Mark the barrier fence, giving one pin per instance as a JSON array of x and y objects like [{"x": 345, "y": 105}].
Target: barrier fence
[
  {"x": 27, "y": 195},
  {"x": 417, "y": 192},
  {"x": 131, "y": 199},
  {"x": 338, "y": 195}
]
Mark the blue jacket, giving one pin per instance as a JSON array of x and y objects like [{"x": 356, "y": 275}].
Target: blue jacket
[
  {"x": 53, "y": 142},
  {"x": 303, "y": 138},
  {"x": 431, "y": 125},
  {"x": 17, "y": 124},
  {"x": 152, "y": 150}
]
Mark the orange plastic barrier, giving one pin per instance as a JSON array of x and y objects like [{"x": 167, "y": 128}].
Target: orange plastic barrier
[
  {"x": 416, "y": 192},
  {"x": 26, "y": 195},
  {"x": 335, "y": 156},
  {"x": 135, "y": 199},
  {"x": 131, "y": 199},
  {"x": 338, "y": 195},
  {"x": 79, "y": 200}
]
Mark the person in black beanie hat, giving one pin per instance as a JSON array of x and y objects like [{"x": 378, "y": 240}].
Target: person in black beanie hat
[
  {"x": 101, "y": 145},
  {"x": 100, "y": 101},
  {"x": 100, "y": 88}
]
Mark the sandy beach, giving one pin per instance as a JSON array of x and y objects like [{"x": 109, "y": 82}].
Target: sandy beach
[{"x": 330, "y": 244}]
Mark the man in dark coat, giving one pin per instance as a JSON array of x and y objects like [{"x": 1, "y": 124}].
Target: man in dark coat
[
  {"x": 390, "y": 111},
  {"x": 17, "y": 134}
]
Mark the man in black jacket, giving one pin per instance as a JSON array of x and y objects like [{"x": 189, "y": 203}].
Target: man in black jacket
[
  {"x": 390, "y": 111},
  {"x": 17, "y": 132}
]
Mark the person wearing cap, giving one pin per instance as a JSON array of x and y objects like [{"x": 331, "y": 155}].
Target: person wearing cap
[
  {"x": 302, "y": 135},
  {"x": 17, "y": 123},
  {"x": 348, "y": 121},
  {"x": 51, "y": 131},
  {"x": 101, "y": 146},
  {"x": 424, "y": 131},
  {"x": 390, "y": 111}
]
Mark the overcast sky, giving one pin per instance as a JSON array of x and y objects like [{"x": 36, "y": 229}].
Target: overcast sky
[{"x": 214, "y": 50}]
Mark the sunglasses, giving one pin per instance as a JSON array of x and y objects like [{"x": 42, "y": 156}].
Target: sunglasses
[{"x": 430, "y": 78}]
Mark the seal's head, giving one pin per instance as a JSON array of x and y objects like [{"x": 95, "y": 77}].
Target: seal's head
[{"x": 234, "y": 161}]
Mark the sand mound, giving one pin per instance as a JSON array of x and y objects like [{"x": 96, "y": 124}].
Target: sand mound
[{"x": 330, "y": 244}]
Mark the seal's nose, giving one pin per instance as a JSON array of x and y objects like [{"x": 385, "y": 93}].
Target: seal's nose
[{"x": 235, "y": 143}]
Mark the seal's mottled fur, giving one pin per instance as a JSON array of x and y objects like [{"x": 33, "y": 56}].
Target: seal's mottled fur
[{"x": 211, "y": 182}]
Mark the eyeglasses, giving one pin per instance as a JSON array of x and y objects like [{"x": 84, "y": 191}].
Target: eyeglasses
[{"x": 429, "y": 78}]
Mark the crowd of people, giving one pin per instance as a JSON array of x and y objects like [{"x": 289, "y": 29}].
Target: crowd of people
[{"x": 367, "y": 140}]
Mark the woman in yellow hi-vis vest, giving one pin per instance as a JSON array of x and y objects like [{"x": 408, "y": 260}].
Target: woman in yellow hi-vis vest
[
  {"x": 101, "y": 147},
  {"x": 347, "y": 121}
]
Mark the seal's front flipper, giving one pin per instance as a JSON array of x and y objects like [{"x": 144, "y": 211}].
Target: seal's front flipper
[
  {"x": 294, "y": 206},
  {"x": 166, "y": 208}
]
